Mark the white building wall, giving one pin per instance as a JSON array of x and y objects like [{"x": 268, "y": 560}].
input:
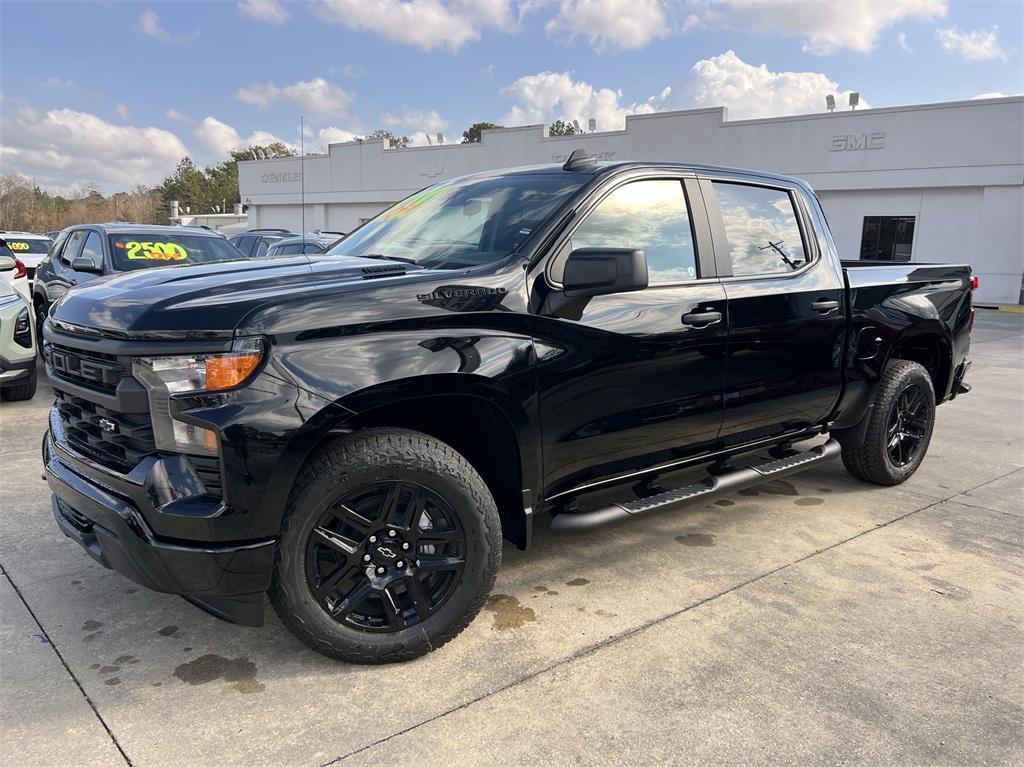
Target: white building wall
[{"x": 957, "y": 167}]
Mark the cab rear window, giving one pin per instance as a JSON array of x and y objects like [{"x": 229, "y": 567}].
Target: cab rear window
[{"x": 142, "y": 251}]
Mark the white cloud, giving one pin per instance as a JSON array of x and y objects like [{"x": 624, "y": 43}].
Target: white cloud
[
  {"x": 174, "y": 114},
  {"x": 150, "y": 24},
  {"x": 270, "y": 11},
  {"x": 416, "y": 119},
  {"x": 56, "y": 82},
  {"x": 420, "y": 126},
  {"x": 123, "y": 111},
  {"x": 828, "y": 25},
  {"x": 219, "y": 138},
  {"x": 65, "y": 148},
  {"x": 426, "y": 24},
  {"x": 692, "y": 21},
  {"x": 347, "y": 70},
  {"x": 901, "y": 41},
  {"x": 972, "y": 46},
  {"x": 749, "y": 91},
  {"x": 548, "y": 96},
  {"x": 726, "y": 80},
  {"x": 610, "y": 24},
  {"x": 317, "y": 96},
  {"x": 333, "y": 135},
  {"x": 993, "y": 95}
]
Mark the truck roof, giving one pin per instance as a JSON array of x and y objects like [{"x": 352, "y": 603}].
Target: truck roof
[{"x": 602, "y": 168}]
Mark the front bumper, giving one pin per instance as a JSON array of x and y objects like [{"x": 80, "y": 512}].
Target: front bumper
[
  {"x": 16, "y": 370},
  {"x": 103, "y": 513}
]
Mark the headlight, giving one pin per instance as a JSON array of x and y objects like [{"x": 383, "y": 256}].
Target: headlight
[
  {"x": 164, "y": 376},
  {"x": 23, "y": 329}
]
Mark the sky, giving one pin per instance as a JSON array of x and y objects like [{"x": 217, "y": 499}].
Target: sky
[{"x": 116, "y": 93}]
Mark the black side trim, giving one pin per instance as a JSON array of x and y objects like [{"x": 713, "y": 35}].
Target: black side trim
[{"x": 728, "y": 482}]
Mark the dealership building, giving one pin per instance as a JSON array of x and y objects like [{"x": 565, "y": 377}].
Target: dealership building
[{"x": 930, "y": 183}]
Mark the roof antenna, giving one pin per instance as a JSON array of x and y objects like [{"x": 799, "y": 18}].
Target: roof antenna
[
  {"x": 579, "y": 160},
  {"x": 302, "y": 172}
]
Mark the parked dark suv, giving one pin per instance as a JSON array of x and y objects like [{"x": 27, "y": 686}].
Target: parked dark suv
[
  {"x": 256, "y": 242},
  {"x": 83, "y": 253},
  {"x": 310, "y": 244}
]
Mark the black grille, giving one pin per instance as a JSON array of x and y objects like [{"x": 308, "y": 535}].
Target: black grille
[
  {"x": 208, "y": 470},
  {"x": 93, "y": 369},
  {"x": 116, "y": 440}
]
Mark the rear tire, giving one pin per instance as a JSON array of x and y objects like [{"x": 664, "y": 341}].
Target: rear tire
[
  {"x": 899, "y": 427},
  {"x": 40, "y": 311},
  {"x": 389, "y": 547},
  {"x": 21, "y": 391}
]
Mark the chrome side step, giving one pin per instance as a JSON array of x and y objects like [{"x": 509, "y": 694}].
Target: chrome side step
[{"x": 729, "y": 482}]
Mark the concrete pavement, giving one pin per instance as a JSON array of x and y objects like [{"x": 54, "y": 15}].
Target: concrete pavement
[{"x": 815, "y": 620}]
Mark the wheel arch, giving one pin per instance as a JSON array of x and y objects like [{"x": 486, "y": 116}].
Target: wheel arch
[
  {"x": 477, "y": 418},
  {"x": 930, "y": 348}
]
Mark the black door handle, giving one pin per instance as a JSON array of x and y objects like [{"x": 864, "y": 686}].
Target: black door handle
[
  {"x": 702, "y": 319},
  {"x": 825, "y": 306}
]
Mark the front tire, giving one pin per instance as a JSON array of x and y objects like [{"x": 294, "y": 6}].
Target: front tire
[
  {"x": 899, "y": 427},
  {"x": 390, "y": 545},
  {"x": 40, "y": 311}
]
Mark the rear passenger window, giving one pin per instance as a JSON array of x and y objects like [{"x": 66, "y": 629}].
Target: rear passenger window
[
  {"x": 245, "y": 244},
  {"x": 645, "y": 215},
  {"x": 761, "y": 228}
]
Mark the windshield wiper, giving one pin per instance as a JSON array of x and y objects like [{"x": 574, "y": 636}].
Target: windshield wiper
[{"x": 382, "y": 257}]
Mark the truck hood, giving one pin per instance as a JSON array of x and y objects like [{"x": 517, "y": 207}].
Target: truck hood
[{"x": 211, "y": 300}]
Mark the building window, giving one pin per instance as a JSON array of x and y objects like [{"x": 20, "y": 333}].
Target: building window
[{"x": 887, "y": 238}]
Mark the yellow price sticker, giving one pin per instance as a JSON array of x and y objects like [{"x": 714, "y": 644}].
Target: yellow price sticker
[
  {"x": 155, "y": 251},
  {"x": 17, "y": 245}
]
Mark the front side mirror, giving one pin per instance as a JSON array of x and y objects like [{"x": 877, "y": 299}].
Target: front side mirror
[
  {"x": 6, "y": 262},
  {"x": 602, "y": 271},
  {"x": 83, "y": 264}
]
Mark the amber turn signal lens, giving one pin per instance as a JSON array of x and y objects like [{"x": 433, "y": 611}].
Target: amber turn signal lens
[{"x": 226, "y": 370}]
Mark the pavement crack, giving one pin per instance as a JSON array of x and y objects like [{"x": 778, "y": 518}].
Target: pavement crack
[
  {"x": 628, "y": 633},
  {"x": 64, "y": 663}
]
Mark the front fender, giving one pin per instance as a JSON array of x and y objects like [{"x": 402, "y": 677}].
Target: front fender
[{"x": 361, "y": 373}]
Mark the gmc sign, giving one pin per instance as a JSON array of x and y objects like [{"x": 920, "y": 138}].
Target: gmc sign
[{"x": 856, "y": 142}]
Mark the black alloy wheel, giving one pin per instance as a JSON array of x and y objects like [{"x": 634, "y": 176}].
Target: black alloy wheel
[
  {"x": 898, "y": 429},
  {"x": 385, "y": 556},
  {"x": 389, "y": 547},
  {"x": 907, "y": 425}
]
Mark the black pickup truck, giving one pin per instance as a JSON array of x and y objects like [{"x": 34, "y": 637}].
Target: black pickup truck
[{"x": 354, "y": 433}]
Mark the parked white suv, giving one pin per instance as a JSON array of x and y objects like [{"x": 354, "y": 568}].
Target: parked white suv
[
  {"x": 17, "y": 342},
  {"x": 28, "y": 248}
]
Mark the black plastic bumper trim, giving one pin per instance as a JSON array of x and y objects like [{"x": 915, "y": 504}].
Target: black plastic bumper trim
[{"x": 114, "y": 533}]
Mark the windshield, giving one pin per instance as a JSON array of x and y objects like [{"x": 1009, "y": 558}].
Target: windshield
[
  {"x": 140, "y": 250},
  {"x": 459, "y": 224},
  {"x": 17, "y": 246}
]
